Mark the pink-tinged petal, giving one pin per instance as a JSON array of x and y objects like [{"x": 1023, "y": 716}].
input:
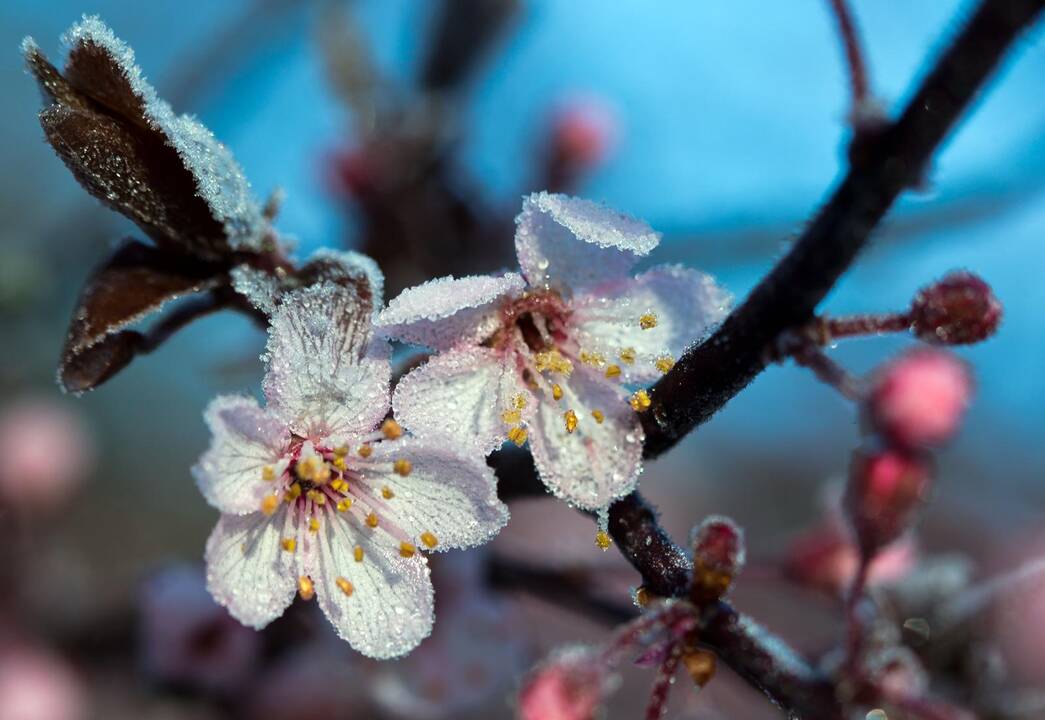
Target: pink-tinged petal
[
  {"x": 683, "y": 303},
  {"x": 460, "y": 397},
  {"x": 245, "y": 440},
  {"x": 326, "y": 375},
  {"x": 570, "y": 243},
  {"x": 446, "y": 493},
  {"x": 248, "y": 571},
  {"x": 386, "y": 608},
  {"x": 598, "y": 462},
  {"x": 447, "y": 311}
]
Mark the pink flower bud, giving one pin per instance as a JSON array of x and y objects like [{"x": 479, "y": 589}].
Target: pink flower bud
[
  {"x": 885, "y": 489},
  {"x": 568, "y": 686},
  {"x": 918, "y": 399},
  {"x": 35, "y": 685},
  {"x": 826, "y": 559},
  {"x": 718, "y": 557},
  {"x": 582, "y": 132},
  {"x": 960, "y": 308}
]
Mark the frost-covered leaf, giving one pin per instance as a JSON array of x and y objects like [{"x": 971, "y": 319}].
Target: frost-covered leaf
[
  {"x": 86, "y": 369},
  {"x": 127, "y": 147}
]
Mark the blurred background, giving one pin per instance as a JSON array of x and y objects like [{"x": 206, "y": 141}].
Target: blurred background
[{"x": 722, "y": 124}]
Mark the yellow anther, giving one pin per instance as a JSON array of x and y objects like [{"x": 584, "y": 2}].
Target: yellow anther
[
  {"x": 599, "y": 417},
  {"x": 592, "y": 358},
  {"x": 391, "y": 430},
  {"x": 339, "y": 462},
  {"x": 344, "y": 505},
  {"x": 613, "y": 371},
  {"x": 602, "y": 539},
  {"x": 665, "y": 363},
  {"x": 357, "y": 553},
  {"x": 269, "y": 503},
  {"x": 429, "y": 540},
  {"x": 341, "y": 450},
  {"x": 518, "y": 436},
  {"x": 365, "y": 451},
  {"x": 345, "y": 586},
  {"x": 553, "y": 361},
  {"x": 511, "y": 417},
  {"x": 402, "y": 466},
  {"x": 305, "y": 588},
  {"x": 268, "y": 473},
  {"x": 322, "y": 474},
  {"x": 307, "y": 468},
  {"x": 406, "y": 549},
  {"x": 648, "y": 321},
  {"x": 371, "y": 519},
  {"x": 557, "y": 391},
  {"x": 641, "y": 596},
  {"x": 294, "y": 492},
  {"x": 571, "y": 421},
  {"x": 338, "y": 485},
  {"x": 316, "y": 496},
  {"x": 386, "y": 493},
  {"x": 627, "y": 355},
  {"x": 313, "y": 525},
  {"x": 519, "y": 401},
  {"x": 640, "y": 401},
  {"x": 289, "y": 544}
]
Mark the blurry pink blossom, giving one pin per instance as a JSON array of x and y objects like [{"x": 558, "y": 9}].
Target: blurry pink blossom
[
  {"x": 188, "y": 639},
  {"x": 46, "y": 453},
  {"x": 36, "y": 685},
  {"x": 918, "y": 399},
  {"x": 570, "y": 685},
  {"x": 582, "y": 131},
  {"x": 545, "y": 356},
  {"x": 826, "y": 559},
  {"x": 885, "y": 489}
]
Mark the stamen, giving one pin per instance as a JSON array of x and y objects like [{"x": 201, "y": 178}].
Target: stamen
[
  {"x": 391, "y": 430},
  {"x": 345, "y": 586},
  {"x": 307, "y": 468},
  {"x": 269, "y": 504},
  {"x": 341, "y": 450},
  {"x": 665, "y": 363},
  {"x": 294, "y": 492},
  {"x": 648, "y": 321},
  {"x": 627, "y": 355},
  {"x": 268, "y": 473},
  {"x": 640, "y": 401},
  {"x": 599, "y": 417},
  {"x": 406, "y": 549},
  {"x": 371, "y": 519},
  {"x": 553, "y": 361},
  {"x": 511, "y": 417},
  {"x": 289, "y": 544},
  {"x": 518, "y": 436},
  {"x": 365, "y": 451},
  {"x": 357, "y": 553},
  {"x": 571, "y": 421},
  {"x": 613, "y": 371},
  {"x": 317, "y": 497},
  {"x": 519, "y": 401},
  {"x": 429, "y": 540},
  {"x": 592, "y": 358},
  {"x": 557, "y": 391},
  {"x": 386, "y": 493},
  {"x": 339, "y": 485},
  {"x": 313, "y": 525},
  {"x": 602, "y": 539},
  {"x": 344, "y": 505},
  {"x": 306, "y": 589},
  {"x": 339, "y": 462},
  {"x": 641, "y": 596},
  {"x": 402, "y": 467}
]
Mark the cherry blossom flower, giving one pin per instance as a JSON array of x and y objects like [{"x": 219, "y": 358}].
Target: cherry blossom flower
[
  {"x": 320, "y": 497},
  {"x": 545, "y": 356}
]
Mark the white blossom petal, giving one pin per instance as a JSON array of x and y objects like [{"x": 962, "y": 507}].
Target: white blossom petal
[
  {"x": 390, "y": 608},
  {"x": 460, "y": 397},
  {"x": 246, "y": 439},
  {"x": 446, "y": 311},
  {"x": 248, "y": 571},
  {"x": 446, "y": 493},
  {"x": 598, "y": 462},
  {"x": 570, "y": 243},
  {"x": 683, "y": 303},
  {"x": 326, "y": 376}
]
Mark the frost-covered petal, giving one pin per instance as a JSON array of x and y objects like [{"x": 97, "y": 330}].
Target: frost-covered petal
[
  {"x": 682, "y": 302},
  {"x": 443, "y": 312},
  {"x": 387, "y": 607},
  {"x": 460, "y": 397},
  {"x": 598, "y": 462},
  {"x": 326, "y": 376},
  {"x": 248, "y": 571},
  {"x": 446, "y": 493},
  {"x": 570, "y": 243},
  {"x": 245, "y": 440}
]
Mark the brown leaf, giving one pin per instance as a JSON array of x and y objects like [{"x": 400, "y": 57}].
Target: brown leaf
[{"x": 136, "y": 281}]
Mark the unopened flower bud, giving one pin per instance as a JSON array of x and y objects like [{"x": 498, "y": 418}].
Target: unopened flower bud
[
  {"x": 582, "y": 131},
  {"x": 570, "y": 685},
  {"x": 718, "y": 557},
  {"x": 885, "y": 489},
  {"x": 918, "y": 400},
  {"x": 958, "y": 309}
]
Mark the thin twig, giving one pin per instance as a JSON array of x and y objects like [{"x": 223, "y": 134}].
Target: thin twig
[{"x": 854, "y": 55}]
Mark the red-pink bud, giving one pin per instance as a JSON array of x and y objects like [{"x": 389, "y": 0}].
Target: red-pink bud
[
  {"x": 718, "y": 557},
  {"x": 570, "y": 685},
  {"x": 918, "y": 399},
  {"x": 885, "y": 489},
  {"x": 826, "y": 559},
  {"x": 582, "y": 132},
  {"x": 958, "y": 309}
]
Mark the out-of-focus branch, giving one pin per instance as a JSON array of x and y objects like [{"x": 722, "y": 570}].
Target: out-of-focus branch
[{"x": 854, "y": 54}]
